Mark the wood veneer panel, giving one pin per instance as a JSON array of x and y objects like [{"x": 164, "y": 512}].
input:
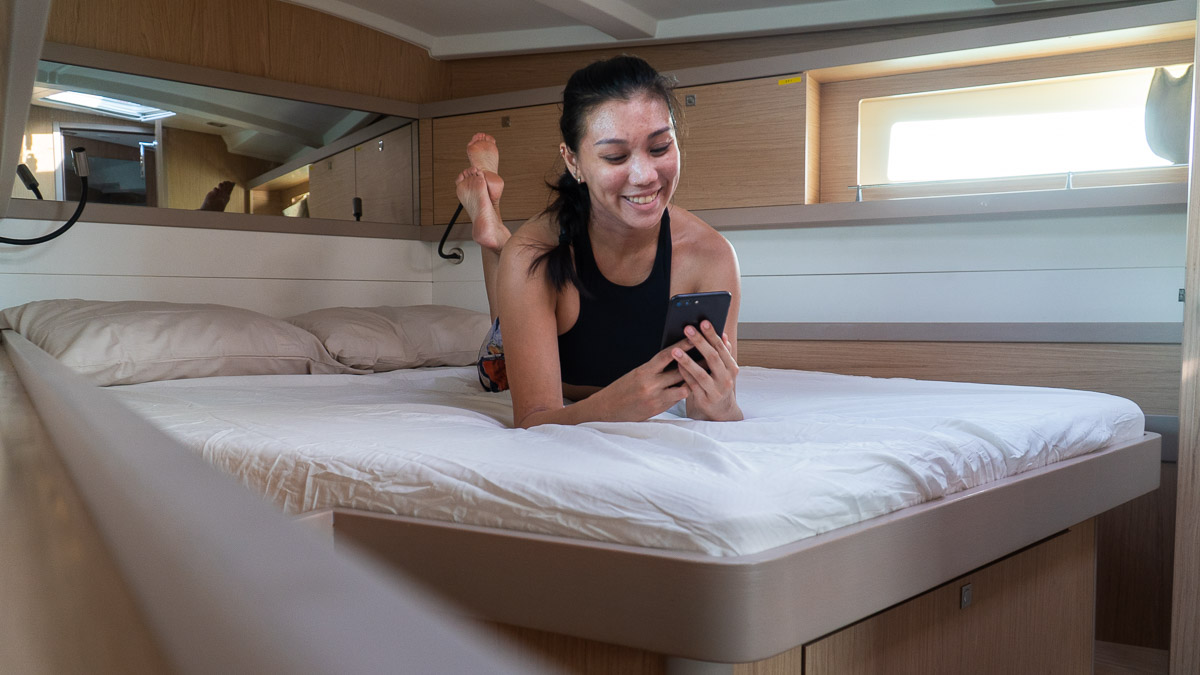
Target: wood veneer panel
[
  {"x": 196, "y": 162},
  {"x": 64, "y": 607},
  {"x": 839, "y": 101},
  {"x": 1185, "y": 607},
  {"x": 1135, "y": 556},
  {"x": 331, "y": 187},
  {"x": 812, "y": 141},
  {"x": 425, "y": 158},
  {"x": 1119, "y": 659},
  {"x": 743, "y": 145},
  {"x": 1030, "y": 613},
  {"x": 528, "y": 140},
  {"x": 384, "y": 174},
  {"x": 566, "y": 654},
  {"x": 790, "y": 662},
  {"x": 265, "y": 38},
  {"x": 1144, "y": 373}
]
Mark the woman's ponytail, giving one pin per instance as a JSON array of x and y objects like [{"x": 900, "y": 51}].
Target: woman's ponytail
[{"x": 571, "y": 207}]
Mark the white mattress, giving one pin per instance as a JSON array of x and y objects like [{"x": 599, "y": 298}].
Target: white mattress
[{"x": 816, "y": 451}]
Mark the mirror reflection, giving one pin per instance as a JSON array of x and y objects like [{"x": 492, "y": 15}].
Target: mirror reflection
[{"x": 153, "y": 142}]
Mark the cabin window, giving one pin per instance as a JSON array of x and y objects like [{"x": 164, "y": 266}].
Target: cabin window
[{"x": 1059, "y": 129}]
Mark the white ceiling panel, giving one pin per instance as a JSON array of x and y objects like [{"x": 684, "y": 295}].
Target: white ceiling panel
[{"x": 470, "y": 28}]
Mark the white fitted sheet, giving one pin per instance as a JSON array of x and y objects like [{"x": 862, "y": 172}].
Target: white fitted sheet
[{"x": 816, "y": 452}]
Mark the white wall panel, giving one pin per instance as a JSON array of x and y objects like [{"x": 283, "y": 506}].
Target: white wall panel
[
  {"x": 276, "y": 297},
  {"x": 102, "y": 248},
  {"x": 467, "y": 294},
  {"x": 1095, "y": 266},
  {"x": 278, "y": 274},
  {"x": 1106, "y": 295},
  {"x": 470, "y": 269},
  {"x": 1064, "y": 241}
]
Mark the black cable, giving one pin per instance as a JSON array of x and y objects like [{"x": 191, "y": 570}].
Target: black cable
[
  {"x": 81, "y": 169},
  {"x": 456, "y": 254},
  {"x": 74, "y": 217}
]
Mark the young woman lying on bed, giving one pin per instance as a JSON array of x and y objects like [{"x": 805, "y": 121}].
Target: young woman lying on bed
[{"x": 582, "y": 288}]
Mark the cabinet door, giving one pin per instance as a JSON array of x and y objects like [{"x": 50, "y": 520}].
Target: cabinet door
[
  {"x": 331, "y": 187},
  {"x": 1028, "y": 613},
  {"x": 528, "y": 140},
  {"x": 384, "y": 174},
  {"x": 742, "y": 144}
]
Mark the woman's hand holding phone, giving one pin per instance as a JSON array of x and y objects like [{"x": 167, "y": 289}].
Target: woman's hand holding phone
[
  {"x": 644, "y": 391},
  {"x": 712, "y": 392}
]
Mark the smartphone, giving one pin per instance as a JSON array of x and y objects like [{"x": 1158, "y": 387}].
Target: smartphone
[{"x": 689, "y": 309}]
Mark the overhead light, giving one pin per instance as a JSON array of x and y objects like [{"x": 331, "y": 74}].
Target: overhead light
[{"x": 109, "y": 106}]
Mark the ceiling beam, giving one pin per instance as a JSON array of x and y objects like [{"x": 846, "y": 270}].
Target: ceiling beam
[{"x": 616, "y": 18}]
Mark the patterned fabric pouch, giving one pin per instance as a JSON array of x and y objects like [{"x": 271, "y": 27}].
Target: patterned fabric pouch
[{"x": 492, "y": 375}]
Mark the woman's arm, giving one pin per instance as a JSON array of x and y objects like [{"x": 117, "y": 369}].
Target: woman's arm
[
  {"x": 712, "y": 265},
  {"x": 528, "y": 305}
]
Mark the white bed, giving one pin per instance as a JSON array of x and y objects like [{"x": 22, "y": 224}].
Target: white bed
[
  {"x": 836, "y": 498},
  {"x": 816, "y": 452}
]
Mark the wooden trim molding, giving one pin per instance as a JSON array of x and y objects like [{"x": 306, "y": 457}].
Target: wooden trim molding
[
  {"x": 1160, "y": 198},
  {"x": 1185, "y": 612},
  {"x": 1144, "y": 373},
  {"x": 28, "y": 209},
  {"x": 1128, "y": 333}
]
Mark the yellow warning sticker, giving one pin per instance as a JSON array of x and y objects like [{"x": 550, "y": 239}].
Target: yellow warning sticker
[{"x": 792, "y": 80}]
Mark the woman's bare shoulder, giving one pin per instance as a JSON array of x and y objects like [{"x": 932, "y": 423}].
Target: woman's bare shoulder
[{"x": 693, "y": 237}]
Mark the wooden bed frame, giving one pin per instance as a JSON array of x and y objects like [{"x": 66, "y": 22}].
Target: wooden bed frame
[
  {"x": 689, "y": 613},
  {"x": 749, "y": 608}
]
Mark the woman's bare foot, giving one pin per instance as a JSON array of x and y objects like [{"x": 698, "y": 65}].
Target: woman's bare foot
[
  {"x": 482, "y": 153},
  {"x": 218, "y": 198},
  {"x": 487, "y": 229}
]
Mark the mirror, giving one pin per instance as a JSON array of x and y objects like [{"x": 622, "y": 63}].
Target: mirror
[{"x": 155, "y": 142}]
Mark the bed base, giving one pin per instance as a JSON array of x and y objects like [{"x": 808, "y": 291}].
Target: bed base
[
  {"x": 1030, "y": 613},
  {"x": 743, "y": 609}
]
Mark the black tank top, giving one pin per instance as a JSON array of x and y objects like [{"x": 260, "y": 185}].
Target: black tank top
[{"x": 619, "y": 327}]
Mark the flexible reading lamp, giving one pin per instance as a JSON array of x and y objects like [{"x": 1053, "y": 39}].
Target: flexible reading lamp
[
  {"x": 456, "y": 254},
  {"x": 30, "y": 182},
  {"x": 81, "y": 169}
]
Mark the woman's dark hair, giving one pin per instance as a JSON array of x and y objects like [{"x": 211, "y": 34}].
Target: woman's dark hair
[{"x": 618, "y": 78}]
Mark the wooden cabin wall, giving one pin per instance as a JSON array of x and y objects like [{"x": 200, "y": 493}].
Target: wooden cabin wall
[{"x": 263, "y": 38}]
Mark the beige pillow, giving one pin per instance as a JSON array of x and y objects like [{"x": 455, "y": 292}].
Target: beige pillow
[
  {"x": 390, "y": 338},
  {"x": 129, "y": 342}
]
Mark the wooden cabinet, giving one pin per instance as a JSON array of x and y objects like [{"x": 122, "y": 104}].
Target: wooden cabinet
[
  {"x": 742, "y": 144},
  {"x": 528, "y": 140},
  {"x": 380, "y": 172},
  {"x": 1029, "y": 613}
]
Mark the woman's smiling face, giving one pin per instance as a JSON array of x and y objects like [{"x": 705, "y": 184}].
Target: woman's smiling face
[{"x": 629, "y": 160}]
